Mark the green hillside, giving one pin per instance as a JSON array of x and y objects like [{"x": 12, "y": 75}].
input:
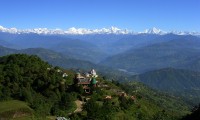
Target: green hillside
[
  {"x": 180, "y": 82},
  {"x": 29, "y": 79},
  {"x": 49, "y": 94},
  {"x": 163, "y": 100}
]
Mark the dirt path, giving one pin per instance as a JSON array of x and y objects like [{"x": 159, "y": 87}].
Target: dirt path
[{"x": 79, "y": 105}]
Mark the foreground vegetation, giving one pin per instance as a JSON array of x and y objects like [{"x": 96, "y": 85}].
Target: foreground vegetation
[{"x": 29, "y": 79}]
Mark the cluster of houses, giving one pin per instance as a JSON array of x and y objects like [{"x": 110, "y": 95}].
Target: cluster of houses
[{"x": 87, "y": 80}]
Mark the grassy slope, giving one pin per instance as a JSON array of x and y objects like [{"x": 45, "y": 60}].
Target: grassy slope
[
  {"x": 152, "y": 102},
  {"x": 9, "y": 108}
]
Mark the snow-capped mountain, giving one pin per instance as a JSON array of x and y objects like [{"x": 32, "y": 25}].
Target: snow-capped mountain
[
  {"x": 154, "y": 31},
  {"x": 10, "y": 30},
  {"x": 186, "y": 33},
  {"x": 82, "y": 31},
  {"x": 112, "y": 30},
  {"x": 73, "y": 30}
]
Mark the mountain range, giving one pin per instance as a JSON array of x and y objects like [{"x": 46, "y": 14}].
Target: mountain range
[
  {"x": 128, "y": 52},
  {"x": 82, "y": 31},
  {"x": 166, "y": 51},
  {"x": 52, "y": 57}
]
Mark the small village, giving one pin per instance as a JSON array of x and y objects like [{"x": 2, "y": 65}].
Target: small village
[
  {"x": 90, "y": 82},
  {"x": 87, "y": 81}
]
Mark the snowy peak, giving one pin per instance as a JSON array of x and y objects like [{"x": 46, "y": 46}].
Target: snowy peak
[
  {"x": 154, "y": 31},
  {"x": 112, "y": 30},
  {"x": 83, "y": 31},
  {"x": 10, "y": 30},
  {"x": 186, "y": 33}
]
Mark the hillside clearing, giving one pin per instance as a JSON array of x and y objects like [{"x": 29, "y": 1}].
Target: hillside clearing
[{"x": 14, "y": 109}]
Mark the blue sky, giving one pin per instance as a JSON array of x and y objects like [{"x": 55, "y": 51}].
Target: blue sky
[{"x": 137, "y": 15}]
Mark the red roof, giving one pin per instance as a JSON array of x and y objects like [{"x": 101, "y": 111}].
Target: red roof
[{"x": 84, "y": 83}]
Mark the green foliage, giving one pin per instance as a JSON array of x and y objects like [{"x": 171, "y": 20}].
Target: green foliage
[
  {"x": 76, "y": 117},
  {"x": 124, "y": 102},
  {"x": 96, "y": 111},
  {"x": 29, "y": 79},
  {"x": 92, "y": 108}
]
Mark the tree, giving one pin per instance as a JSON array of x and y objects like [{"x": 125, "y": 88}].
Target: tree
[
  {"x": 27, "y": 96},
  {"x": 123, "y": 102},
  {"x": 93, "y": 109}
]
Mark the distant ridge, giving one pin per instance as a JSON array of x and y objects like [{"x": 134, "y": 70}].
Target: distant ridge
[{"x": 181, "y": 82}]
